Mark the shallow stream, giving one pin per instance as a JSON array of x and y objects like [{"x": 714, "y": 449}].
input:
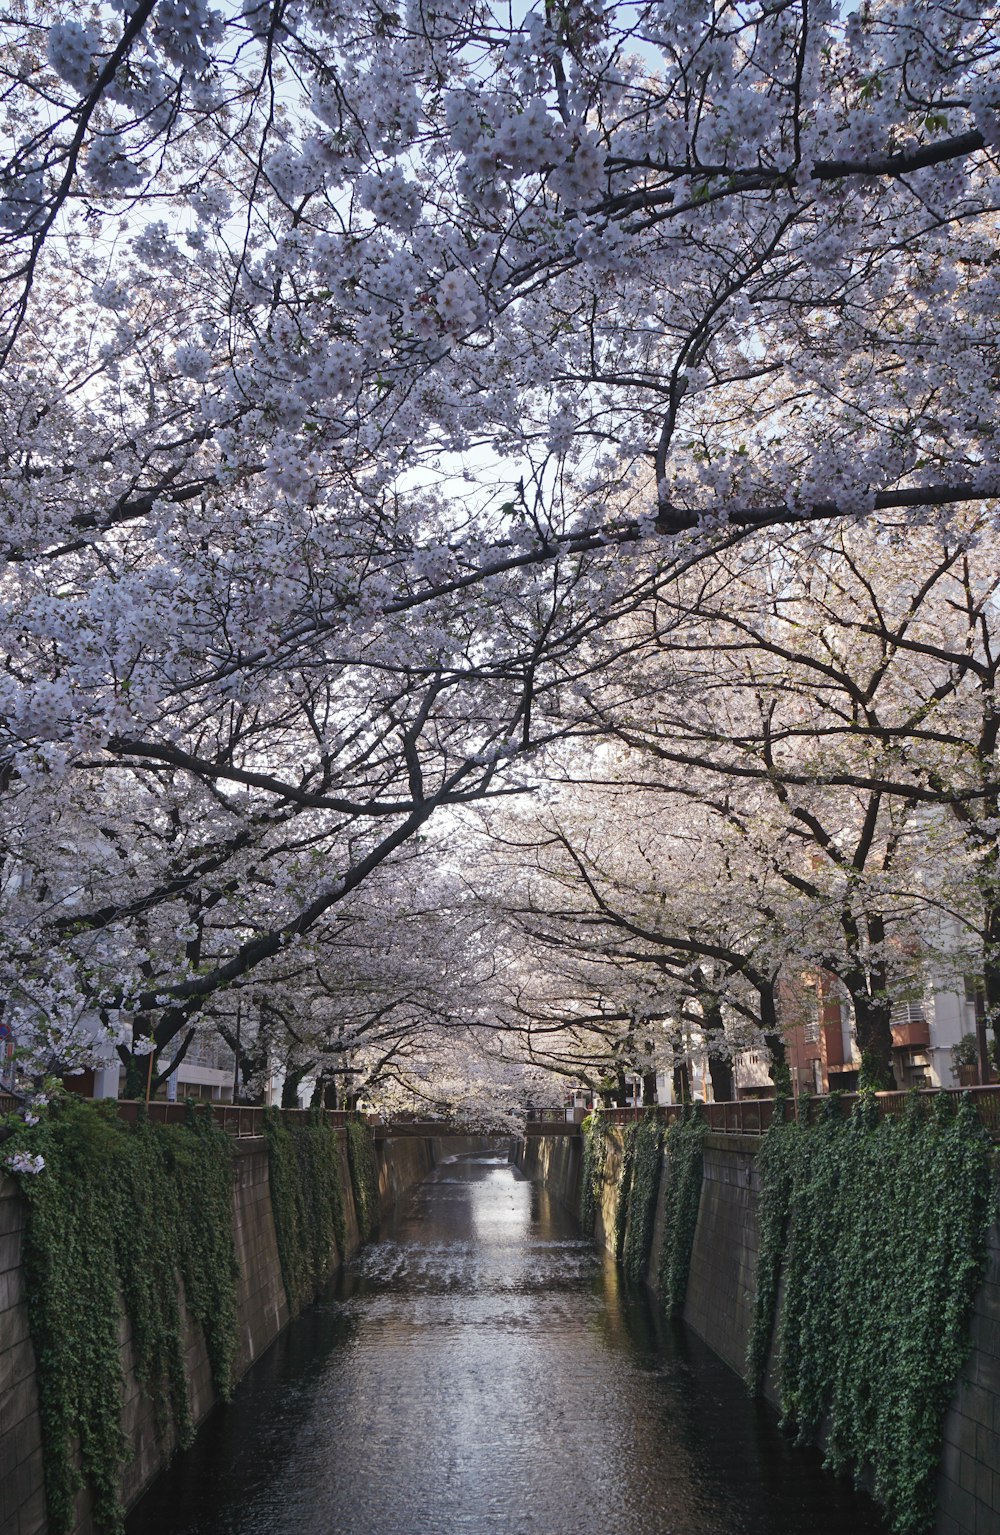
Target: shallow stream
[{"x": 481, "y": 1370}]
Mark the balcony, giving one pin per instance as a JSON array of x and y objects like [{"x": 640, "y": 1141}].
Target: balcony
[
  {"x": 910, "y": 1036},
  {"x": 910, "y": 1027}
]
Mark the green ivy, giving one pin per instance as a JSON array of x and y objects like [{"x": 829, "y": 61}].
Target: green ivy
[
  {"x": 114, "y": 1217},
  {"x": 592, "y": 1171},
  {"x": 648, "y": 1159},
  {"x": 201, "y": 1174},
  {"x": 364, "y": 1176},
  {"x": 776, "y": 1166},
  {"x": 307, "y": 1200},
  {"x": 879, "y": 1228},
  {"x": 624, "y": 1189},
  {"x": 684, "y": 1144}
]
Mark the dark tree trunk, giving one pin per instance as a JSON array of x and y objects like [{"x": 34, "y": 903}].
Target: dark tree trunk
[
  {"x": 649, "y": 1087},
  {"x": 325, "y": 1093},
  {"x": 619, "y": 1093},
  {"x": 869, "y": 994},
  {"x": 982, "y": 832},
  {"x": 874, "y": 1034},
  {"x": 991, "y": 955},
  {"x": 140, "y": 1070},
  {"x": 290, "y": 1087},
  {"x": 682, "y": 1083},
  {"x": 774, "y": 1039},
  {"x": 721, "y": 1072},
  {"x": 720, "y": 1066},
  {"x": 873, "y": 1014}
]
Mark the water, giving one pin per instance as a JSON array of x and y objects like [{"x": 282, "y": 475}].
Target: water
[{"x": 481, "y": 1371}]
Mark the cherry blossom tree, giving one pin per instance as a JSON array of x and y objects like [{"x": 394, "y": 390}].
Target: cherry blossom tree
[
  {"x": 361, "y": 364},
  {"x": 630, "y": 931},
  {"x": 831, "y": 698}
]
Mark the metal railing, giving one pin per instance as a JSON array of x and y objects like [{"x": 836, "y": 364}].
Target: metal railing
[
  {"x": 562, "y": 1126},
  {"x": 389, "y": 1127},
  {"x": 754, "y": 1116},
  {"x": 748, "y": 1116},
  {"x": 239, "y": 1120}
]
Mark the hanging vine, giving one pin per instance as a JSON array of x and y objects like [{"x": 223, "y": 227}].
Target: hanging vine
[
  {"x": 684, "y": 1144},
  {"x": 776, "y": 1166},
  {"x": 364, "y": 1176},
  {"x": 879, "y": 1229},
  {"x": 307, "y": 1199},
  {"x": 117, "y": 1213},
  {"x": 622, "y": 1203},
  {"x": 648, "y": 1158},
  {"x": 592, "y": 1171}
]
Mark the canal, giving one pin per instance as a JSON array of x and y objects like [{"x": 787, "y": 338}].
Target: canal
[{"x": 480, "y": 1370}]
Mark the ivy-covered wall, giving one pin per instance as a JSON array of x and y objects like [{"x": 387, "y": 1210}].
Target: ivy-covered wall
[
  {"x": 682, "y": 1178},
  {"x": 623, "y": 1169},
  {"x": 364, "y": 1176},
  {"x": 309, "y": 1203},
  {"x": 884, "y": 1235},
  {"x": 638, "y": 1188},
  {"x": 160, "y": 1262},
  {"x": 593, "y": 1172},
  {"x": 119, "y": 1215},
  {"x": 878, "y": 1229}
]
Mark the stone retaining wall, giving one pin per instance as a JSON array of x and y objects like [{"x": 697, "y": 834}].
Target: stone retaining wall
[
  {"x": 22, "y": 1500},
  {"x": 969, "y": 1497},
  {"x": 722, "y": 1283},
  {"x": 262, "y": 1311}
]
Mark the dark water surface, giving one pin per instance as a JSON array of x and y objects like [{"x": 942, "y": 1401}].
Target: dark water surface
[{"x": 480, "y": 1371}]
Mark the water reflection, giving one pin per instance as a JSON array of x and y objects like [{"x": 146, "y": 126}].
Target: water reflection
[{"x": 479, "y": 1370}]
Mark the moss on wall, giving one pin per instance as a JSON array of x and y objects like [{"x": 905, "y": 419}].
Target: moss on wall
[
  {"x": 592, "y": 1170},
  {"x": 624, "y": 1192}
]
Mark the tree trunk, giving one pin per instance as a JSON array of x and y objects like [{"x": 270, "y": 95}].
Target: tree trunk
[
  {"x": 720, "y": 1066},
  {"x": 991, "y": 949},
  {"x": 869, "y": 994},
  {"x": 721, "y": 1073},
  {"x": 649, "y": 1087},
  {"x": 140, "y": 1070},
  {"x": 290, "y": 1087},
  {"x": 682, "y": 1083},
  {"x": 774, "y": 1039},
  {"x": 874, "y": 1033}
]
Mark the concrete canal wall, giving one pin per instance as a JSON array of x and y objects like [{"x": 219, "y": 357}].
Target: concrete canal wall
[
  {"x": 720, "y": 1296},
  {"x": 555, "y": 1161},
  {"x": 262, "y": 1311},
  {"x": 406, "y": 1159}
]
